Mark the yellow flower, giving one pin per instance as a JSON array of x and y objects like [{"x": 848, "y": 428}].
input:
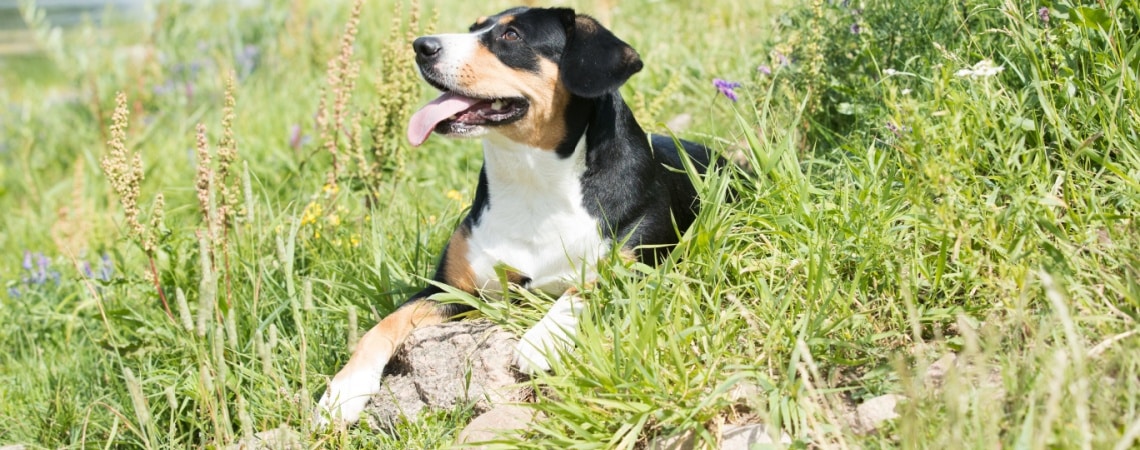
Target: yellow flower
[
  {"x": 312, "y": 212},
  {"x": 331, "y": 189},
  {"x": 454, "y": 195}
]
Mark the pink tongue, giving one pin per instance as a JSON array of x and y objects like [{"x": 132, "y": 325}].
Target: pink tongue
[{"x": 425, "y": 120}]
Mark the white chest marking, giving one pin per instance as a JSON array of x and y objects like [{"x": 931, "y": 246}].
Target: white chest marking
[{"x": 536, "y": 223}]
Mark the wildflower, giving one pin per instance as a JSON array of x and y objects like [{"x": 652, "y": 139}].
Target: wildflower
[
  {"x": 855, "y": 28},
  {"x": 248, "y": 59},
  {"x": 782, "y": 59},
  {"x": 27, "y": 261},
  {"x": 312, "y": 212},
  {"x": 108, "y": 268},
  {"x": 898, "y": 130},
  {"x": 87, "y": 272},
  {"x": 454, "y": 195},
  {"x": 1043, "y": 14},
  {"x": 13, "y": 292},
  {"x": 726, "y": 88},
  {"x": 983, "y": 69},
  {"x": 297, "y": 138},
  {"x": 890, "y": 72},
  {"x": 764, "y": 69},
  {"x": 906, "y": 91}
]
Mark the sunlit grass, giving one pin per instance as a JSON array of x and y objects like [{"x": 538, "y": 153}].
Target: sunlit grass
[{"x": 895, "y": 209}]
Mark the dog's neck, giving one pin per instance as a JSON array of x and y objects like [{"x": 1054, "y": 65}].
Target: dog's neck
[{"x": 512, "y": 167}]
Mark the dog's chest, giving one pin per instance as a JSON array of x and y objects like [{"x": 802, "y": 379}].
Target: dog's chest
[{"x": 536, "y": 223}]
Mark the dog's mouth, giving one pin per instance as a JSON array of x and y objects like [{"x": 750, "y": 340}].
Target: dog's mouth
[{"x": 456, "y": 114}]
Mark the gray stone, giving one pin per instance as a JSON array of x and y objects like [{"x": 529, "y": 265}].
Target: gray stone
[
  {"x": 444, "y": 366},
  {"x": 283, "y": 438},
  {"x": 500, "y": 421},
  {"x": 874, "y": 412},
  {"x": 683, "y": 441},
  {"x": 938, "y": 370},
  {"x": 742, "y": 437}
]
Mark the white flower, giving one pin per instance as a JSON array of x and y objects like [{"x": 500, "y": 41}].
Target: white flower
[
  {"x": 984, "y": 68},
  {"x": 890, "y": 72},
  {"x": 906, "y": 91}
]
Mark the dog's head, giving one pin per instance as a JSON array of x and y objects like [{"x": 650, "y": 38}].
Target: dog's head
[{"x": 514, "y": 74}]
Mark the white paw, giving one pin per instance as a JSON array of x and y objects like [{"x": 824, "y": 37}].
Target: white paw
[
  {"x": 345, "y": 399},
  {"x": 550, "y": 337}
]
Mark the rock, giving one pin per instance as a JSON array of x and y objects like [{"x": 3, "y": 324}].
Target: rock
[
  {"x": 936, "y": 373},
  {"x": 742, "y": 437},
  {"x": 494, "y": 424},
  {"x": 745, "y": 393},
  {"x": 683, "y": 441},
  {"x": 872, "y": 413},
  {"x": 283, "y": 438},
  {"x": 447, "y": 365}
]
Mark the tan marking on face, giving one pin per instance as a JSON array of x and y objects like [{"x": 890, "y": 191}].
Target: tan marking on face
[
  {"x": 384, "y": 338},
  {"x": 544, "y": 125},
  {"x": 457, "y": 271}
]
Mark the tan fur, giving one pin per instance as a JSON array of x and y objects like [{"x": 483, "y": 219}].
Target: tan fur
[
  {"x": 544, "y": 126},
  {"x": 387, "y": 336},
  {"x": 456, "y": 271}
]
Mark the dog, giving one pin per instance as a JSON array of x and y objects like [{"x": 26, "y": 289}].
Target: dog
[{"x": 568, "y": 177}]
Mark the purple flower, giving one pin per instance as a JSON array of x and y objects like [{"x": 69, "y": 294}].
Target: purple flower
[
  {"x": 248, "y": 58},
  {"x": 1043, "y": 14},
  {"x": 782, "y": 59},
  {"x": 726, "y": 88},
  {"x": 108, "y": 268},
  {"x": 764, "y": 69},
  {"x": 13, "y": 292},
  {"x": 87, "y": 270},
  {"x": 297, "y": 138},
  {"x": 855, "y": 28},
  {"x": 27, "y": 261},
  {"x": 898, "y": 130}
]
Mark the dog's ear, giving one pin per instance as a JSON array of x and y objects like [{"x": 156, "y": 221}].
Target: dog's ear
[{"x": 594, "y": 61}]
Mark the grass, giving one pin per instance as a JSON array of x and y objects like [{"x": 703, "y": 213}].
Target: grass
[{"x": 898, "y": 209}]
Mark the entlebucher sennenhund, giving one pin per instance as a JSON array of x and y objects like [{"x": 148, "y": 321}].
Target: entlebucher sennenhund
[{"x": 568, "y": 176}]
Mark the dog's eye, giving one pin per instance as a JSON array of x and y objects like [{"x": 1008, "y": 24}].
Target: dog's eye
[{"x": 511, "y": 35}]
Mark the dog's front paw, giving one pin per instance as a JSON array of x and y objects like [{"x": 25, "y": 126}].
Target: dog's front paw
[
  {"x": 550, "y": 337},
  {"x": 531, "y": 352},
  {"x": 344, "y": 400}
]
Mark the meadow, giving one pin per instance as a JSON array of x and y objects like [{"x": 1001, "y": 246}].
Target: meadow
[{"x": 203, "y": 210}]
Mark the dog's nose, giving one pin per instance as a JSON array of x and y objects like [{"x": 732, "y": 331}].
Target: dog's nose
[{"x": 427, "y": 47}]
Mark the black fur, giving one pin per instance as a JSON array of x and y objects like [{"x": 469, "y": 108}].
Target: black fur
[{"x": 634, "y": 183}]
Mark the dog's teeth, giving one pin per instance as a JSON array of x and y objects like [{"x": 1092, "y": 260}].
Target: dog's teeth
[{"x": 497, "y": 105}]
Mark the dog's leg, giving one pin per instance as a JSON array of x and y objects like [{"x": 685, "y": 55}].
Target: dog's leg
[
  {"x": 555, "y": 332},
  {"x": 349, "y": 391},
  {"x": 352, "y": 387}
]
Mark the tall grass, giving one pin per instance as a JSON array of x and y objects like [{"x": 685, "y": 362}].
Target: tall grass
[{"x": 924, "y": 179}]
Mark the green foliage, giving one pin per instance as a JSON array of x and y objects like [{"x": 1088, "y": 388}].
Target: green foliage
[{"x": 924, "y": 178}]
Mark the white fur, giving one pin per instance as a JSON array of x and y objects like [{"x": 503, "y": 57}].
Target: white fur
[
  {"x": 552, "y": 335},
  {"x": 344, "y": 399},
  {"x": 456, "y": 52},
  {"x": 537, "y": 223}
]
